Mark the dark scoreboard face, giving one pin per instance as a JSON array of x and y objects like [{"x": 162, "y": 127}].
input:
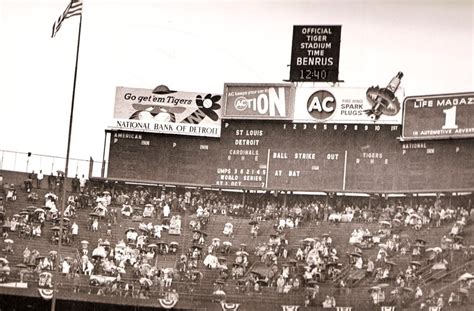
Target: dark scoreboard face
[{"x": 295, "y": 156}]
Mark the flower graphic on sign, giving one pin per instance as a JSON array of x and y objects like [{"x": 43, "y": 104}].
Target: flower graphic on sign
[{"x": 207, "y": 107}]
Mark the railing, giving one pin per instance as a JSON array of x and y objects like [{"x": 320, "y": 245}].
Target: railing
[
  {"x": 28, "y": 162},
  {"x": 456, "y": 270},
  {"x": 202, "y": 290}
]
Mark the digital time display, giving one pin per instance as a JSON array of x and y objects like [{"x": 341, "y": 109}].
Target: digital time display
[{"x": 312, "y": 74}]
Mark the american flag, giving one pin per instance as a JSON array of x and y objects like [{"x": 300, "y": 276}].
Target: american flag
[{"x": 74, "y": 8}]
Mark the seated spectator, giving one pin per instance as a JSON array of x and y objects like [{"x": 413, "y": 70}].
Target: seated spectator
[
  {"x": 33, "y": 197},
  {"x": 211, "y": 261},
  {"x": 70, "y": 211},
  {"x": 141, "y": 240},
  {"x": 131, "y": 236},
  {"x": 11, "y": 193},
  {"x": 148, "y": 211},
  {"x": 359, "y": 263},
  {"x": 126, "y": 210},
  {"x": 329, "y": 302},
  {"x": 287, "y": 287},
  {"x": 175, "y": 225},
  {"x": 37, "y": 231},
  {"x": 14, "y": 224},
  {"x": 228, "y": 229}
]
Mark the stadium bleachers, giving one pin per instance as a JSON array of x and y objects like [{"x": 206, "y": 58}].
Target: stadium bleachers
[{"x": 202, "y": 292}]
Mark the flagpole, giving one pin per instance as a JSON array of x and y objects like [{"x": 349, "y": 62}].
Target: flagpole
[{"x": 63, "y": 201}]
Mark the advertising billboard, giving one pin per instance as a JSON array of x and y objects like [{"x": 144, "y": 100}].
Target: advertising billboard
[
  {"x": 258, "y": 101},
  {"x": 438, "y": 116},
  {"x": 315, "y": 53},
  {"x": 345, "y": 105},
  {"x": 183, "y": 113}
]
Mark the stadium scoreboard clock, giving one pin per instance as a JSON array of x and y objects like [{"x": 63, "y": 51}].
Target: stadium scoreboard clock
[
  {"x": 438, "y": 116},
  {"x": 280, "y": 155},
  {"x": 315, "y": 53}
]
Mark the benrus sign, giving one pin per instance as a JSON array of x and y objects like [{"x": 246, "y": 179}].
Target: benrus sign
[{"x": 258, "y": 101}]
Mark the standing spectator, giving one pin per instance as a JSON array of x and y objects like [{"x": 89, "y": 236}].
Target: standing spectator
[
  {"x": 39, "y": 179},
  {"x": 32, "y": 177},
  {"x": 166, "y": 211},
  {"x": 29, "y": 183},
  {"x": 440, "y": 302},
  {"x": 418, "y": 293},
  {"x": 82, "y": 183},
  {"x": 66, "y": 267},
  {"x": 76, "y": 282},
  {"x": 60, "y": 181},
  {"x": 75, "y": 184},
  {"x": 26, "y": 255},
  {"x": 51, "y": 181},
  {"x": 370, "y": 267},
  {"x": 74, "y": 230},
  {"x": 95, "y": 225}
]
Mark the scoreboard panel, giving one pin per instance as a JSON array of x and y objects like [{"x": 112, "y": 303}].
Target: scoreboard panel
[
  {"x": 294, "y": 156},
  {"x": 306, "y": 157}
]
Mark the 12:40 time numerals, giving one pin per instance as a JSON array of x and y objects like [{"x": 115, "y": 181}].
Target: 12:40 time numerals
[{"x": 313, "y": 74}]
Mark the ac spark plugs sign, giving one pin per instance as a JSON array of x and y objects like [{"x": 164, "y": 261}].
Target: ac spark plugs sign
[{"x": 340, "y": 105}]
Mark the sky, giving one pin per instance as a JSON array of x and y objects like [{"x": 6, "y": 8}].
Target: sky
[{"x": 197, "y": 46}]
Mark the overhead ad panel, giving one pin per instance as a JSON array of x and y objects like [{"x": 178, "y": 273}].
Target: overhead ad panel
[
  {"x": 183, "y": 113},
  {"x": 345, "y": 105},
  {"x": 258, "y": 101},
  {"x": 438, "y": 116}
]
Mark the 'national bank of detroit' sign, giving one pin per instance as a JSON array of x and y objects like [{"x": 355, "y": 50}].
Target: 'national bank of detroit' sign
[{"x": 182, "y": 113}]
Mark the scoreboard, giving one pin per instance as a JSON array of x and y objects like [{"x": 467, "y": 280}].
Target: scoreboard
[{"x": 281, "y": 155}]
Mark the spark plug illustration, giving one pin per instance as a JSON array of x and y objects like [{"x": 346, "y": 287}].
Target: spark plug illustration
[{"x": 383, "y": 100}]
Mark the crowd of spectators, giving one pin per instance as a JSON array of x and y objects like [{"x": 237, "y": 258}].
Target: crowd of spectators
[{"x": 132, "y": 264}]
